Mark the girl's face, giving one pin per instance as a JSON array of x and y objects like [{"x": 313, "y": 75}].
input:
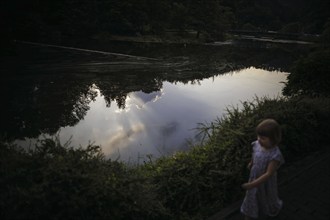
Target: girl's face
[{"x": 265, "y": 142}]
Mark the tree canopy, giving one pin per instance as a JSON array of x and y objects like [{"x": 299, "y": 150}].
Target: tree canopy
[{"x": 53, "y": 20}]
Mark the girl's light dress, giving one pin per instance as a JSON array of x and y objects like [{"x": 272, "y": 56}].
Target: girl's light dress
[{"x": 263, "y": 198}]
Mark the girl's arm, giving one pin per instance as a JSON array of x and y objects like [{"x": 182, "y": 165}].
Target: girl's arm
[{"x": 271, "y": 169}]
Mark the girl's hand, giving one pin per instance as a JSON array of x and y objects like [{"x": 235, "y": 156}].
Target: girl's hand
[
  {"x": 249, "y": 166},
  {"x": 247, "y": 186}
]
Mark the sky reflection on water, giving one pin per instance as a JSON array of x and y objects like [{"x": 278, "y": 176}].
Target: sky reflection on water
[{"x": 159, "y": 123}]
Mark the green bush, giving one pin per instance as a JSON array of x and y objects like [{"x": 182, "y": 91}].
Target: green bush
[
  {"x": 58, "y": 182},
  {"x": 310, "y": 75}
]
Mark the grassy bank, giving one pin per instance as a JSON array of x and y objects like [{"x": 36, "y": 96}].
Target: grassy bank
[{"x": 57, "y": 181}]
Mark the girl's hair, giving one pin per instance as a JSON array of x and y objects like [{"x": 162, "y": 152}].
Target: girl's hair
[{"x": 271, "y": 129}]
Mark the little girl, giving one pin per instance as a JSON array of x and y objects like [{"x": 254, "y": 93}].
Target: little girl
[{"x": 261, "y": 195}]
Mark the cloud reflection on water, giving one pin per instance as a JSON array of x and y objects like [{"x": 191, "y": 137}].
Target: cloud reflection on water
[{"x": 159, "y": 123}]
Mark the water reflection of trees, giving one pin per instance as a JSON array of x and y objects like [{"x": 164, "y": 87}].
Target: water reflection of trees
[
  {"x": 115, "y": 87},
  {"x": 44, "y": 96},
  {"x": 36, "y": 105}
]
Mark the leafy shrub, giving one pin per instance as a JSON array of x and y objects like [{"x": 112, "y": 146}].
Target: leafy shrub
[
  {"x": 58, "y": 182},
  {"x": 310, "y": 75}
]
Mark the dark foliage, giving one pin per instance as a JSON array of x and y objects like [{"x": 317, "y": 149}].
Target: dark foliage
[
  {"x": 59, "y": 182},
  {"x": 51, "y": 21},
  {"x": 310, "y": 75}
]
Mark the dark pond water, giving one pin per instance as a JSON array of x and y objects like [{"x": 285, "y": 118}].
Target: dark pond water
[{"x": 133, "y": 106}]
